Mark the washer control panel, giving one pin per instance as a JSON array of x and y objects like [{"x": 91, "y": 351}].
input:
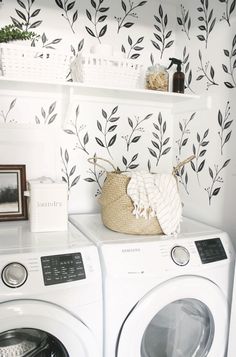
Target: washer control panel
[
  {"x": 210, "y": 250},
  {"x": 62, "y": 268}
]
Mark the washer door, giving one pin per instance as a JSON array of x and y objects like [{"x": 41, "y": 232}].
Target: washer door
[
  {"x": 32, "y": 326},
  {"x": 186, "y": 316}
]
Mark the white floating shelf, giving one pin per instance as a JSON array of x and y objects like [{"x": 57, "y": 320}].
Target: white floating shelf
[{"x": 143, "y": 95}]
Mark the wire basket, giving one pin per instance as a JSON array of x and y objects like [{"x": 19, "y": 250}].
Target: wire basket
[
  {"x": 112, "y": 72},
  {"x": 26, "y": 62}
]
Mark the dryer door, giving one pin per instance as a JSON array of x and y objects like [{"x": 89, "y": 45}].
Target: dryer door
[
  {"x": 35, "y": 328},
  {"x": 183, "y": 317}
]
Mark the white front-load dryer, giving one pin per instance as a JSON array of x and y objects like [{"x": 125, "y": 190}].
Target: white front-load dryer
[
  {"x": 164, "y": 296},
  {"x": 50, "y": 293}
]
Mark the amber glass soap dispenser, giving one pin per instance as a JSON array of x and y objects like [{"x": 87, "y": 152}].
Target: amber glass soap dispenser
[{"x": 178, "y": 76}]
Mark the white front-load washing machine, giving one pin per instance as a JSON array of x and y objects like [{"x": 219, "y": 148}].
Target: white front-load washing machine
[
  {"x": 50, "y": 293},
  {"x": 164, "y": 296}
]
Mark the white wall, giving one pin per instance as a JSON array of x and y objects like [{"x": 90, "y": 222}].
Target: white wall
[
  {"x": 40, "y": 145},
  {"x": 210, "y": 197}
]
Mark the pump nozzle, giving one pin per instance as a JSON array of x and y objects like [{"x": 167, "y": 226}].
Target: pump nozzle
[{"x": 176, "y": 61}]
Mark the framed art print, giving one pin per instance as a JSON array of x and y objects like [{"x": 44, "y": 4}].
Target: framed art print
[{"x": 13, "y": 204}]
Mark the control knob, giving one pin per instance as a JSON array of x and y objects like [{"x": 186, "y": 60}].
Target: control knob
[
  {"x": 14, "y": 275},
  {"x": 180, "y": 255}
]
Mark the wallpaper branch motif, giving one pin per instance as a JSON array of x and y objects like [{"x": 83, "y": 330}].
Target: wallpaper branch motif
[
  {"x": 183, "y": 177},
  {"x": 76, "y": 130},
  {"x": 216, "y": 179},
  {"x": 184, "y": 21},
  {"x": 160, "y": 142},
  {"x": 130, "y": 165},
  {"x": 5, "y": 115},
  {"x": 184, "y": 132},
  {"x": 135, "y": 127},
  {"x": 232, "y": 64},
  {"x": 68, "y": 174},
  {"x": 187, "y": 70},
  {"x": 128, "y": 12},
  {"x": 133, "y": 47},
  {"x": 79, "y": 48},
  {"x": 46, "y": 43},
  {"x": 108, "y": 127},
  {"x": 47, "y": 117},
  {"x": 63, "y": 4},
  {"x": 208, "y": 21},
  {"x": 26, "y": 15},
  {"x": 99, "y": 17},
  {"x": 224, "y": 124},
  {"x": 204, "y": 70},
  {"x": 162, "y": 34},
  {"x": 97, "y": 176},
  {"x": 199, "y": 153},
  {"x": 228, "y": 10}
]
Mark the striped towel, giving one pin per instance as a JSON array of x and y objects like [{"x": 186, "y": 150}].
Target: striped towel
[{"x": 156, "y": 195}]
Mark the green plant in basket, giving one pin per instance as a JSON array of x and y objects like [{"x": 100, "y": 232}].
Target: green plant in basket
[{"x": 12, "y": 33}]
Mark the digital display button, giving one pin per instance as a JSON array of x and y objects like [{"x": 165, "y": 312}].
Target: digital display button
[
  {"x": 62, "y": 268},
  {"x": 210, "y": 250}
]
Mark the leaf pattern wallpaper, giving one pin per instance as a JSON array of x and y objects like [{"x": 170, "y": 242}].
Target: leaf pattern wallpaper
[{"x": 139, "y": 135}]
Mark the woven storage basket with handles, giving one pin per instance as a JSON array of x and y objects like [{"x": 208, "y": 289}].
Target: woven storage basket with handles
[{"x": 117, "y": 206}]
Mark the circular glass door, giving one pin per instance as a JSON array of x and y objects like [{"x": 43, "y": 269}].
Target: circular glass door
[
  {"x": 30, "y": 343},
  {"x": 41, "y": 329},
  {"x": 182, "y": 328},
  {"x": 186, "y": 316}
]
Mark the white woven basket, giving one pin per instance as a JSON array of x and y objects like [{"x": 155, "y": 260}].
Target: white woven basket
[
  {"x": 103, "y": 71},
  {"x": 26, "y": 62}
]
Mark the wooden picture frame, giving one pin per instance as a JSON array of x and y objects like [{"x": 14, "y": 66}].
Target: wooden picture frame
[{"x": 13, "y": 203}]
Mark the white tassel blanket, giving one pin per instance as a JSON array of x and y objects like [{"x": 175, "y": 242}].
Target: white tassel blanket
[{"x": 156, "y": 195}]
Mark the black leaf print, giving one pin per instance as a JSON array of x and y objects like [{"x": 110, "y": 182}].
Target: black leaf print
[
  {"x": 162, "y": 34},
  {"x": 184, "y": 132},
  {"x": 5, "y": 116},
  {"x": 207, "y": 72},
  {"x": 187, "y": 70},
  {"x": 229, "y": 8},
  {"x": 96, "y": 19},
  {"x": 199, "y": 153},
  {"x": 216, "y": 180},
  {"x": 135, "y": 127},
  {"x": 26, "y": 16},
  {"x": 184, "y": 21},
  {"x": 232, "y": 65},
  {"x": 66, "y": 8},
  {"x": 47, "y": 117},
  {"x": 130, "y": 165},
  {"x": 76, "y": 129},
  {"x": 46, "y": 43},
  {"x": 128, "y": 12},
  {"x": 182, "y": 176},
  {"x": 99, "y": 141},
  {"x": 133, "y": 47},
  {"x": 106, "y": 129},
  {"x": 207, "y": 20},
  {"x": 97, "y": 176},
  {"x": 59, "y": 3},
  {"x": 160, "y": 142},
  {"x": 224, "y": 124},
  {"x": 79, "y": 48},
  {"x": 112, "y": 140},
  {"x": 67, "y": 173}
]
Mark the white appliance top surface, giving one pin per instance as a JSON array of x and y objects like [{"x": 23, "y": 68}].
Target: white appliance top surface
[
  {"x": 15, "y": 237},
  {"x": 92, "y": 226}
]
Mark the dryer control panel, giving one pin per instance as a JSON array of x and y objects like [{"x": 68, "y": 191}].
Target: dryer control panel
[
  {"x": 62, "y": 268},
  {"x": 210, "y": 250}
]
